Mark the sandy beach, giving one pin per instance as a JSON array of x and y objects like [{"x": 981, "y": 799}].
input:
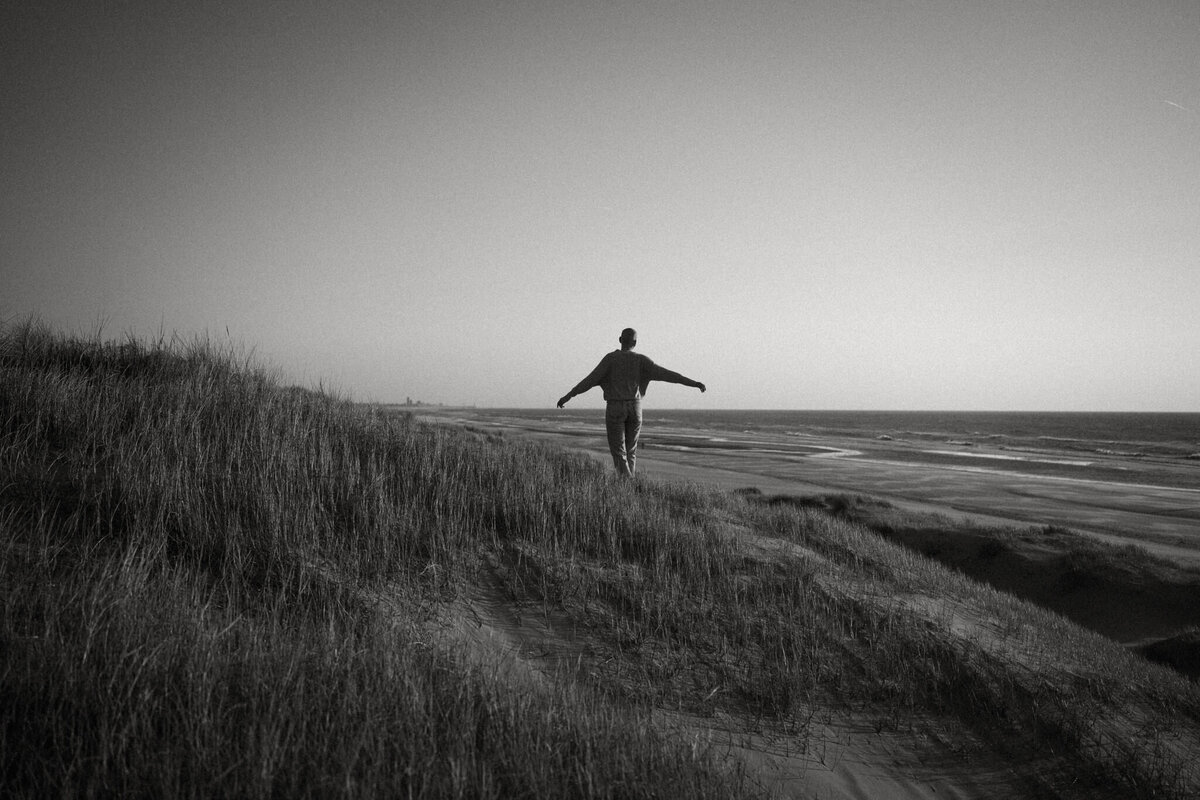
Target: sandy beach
[{"x": 1154, "y": 502}]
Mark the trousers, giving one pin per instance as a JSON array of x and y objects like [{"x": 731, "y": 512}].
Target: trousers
[{"x": 623, "y": 421}]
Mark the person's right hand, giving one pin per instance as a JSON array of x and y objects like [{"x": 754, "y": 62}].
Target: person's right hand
[{"x": 562, "y": 401}]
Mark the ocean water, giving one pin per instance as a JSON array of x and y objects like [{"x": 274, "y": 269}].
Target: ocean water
[
  {"x": 1134, "y": 428},
  {"x": 1168, "y": 434}
]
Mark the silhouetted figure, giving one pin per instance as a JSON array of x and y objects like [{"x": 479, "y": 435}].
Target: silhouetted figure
[{"x": 624, "y": 376}]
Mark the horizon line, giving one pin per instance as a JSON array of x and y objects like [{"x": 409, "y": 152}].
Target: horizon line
[{"x": 748, "y": 409}]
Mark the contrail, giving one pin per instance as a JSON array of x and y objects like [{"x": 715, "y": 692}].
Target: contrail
[{"x": 1173, "y": 103}]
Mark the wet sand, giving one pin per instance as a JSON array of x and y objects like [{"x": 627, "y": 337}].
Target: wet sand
[{"x": 1154, "y": 502}]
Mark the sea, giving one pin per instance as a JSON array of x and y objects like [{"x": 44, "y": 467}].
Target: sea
[{"x": 1125, "y": 433}]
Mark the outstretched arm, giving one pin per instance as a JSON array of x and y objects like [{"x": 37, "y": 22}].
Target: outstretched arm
[
  {"x": 593, "y": 379},
  {"x": 668, "y": 376}
]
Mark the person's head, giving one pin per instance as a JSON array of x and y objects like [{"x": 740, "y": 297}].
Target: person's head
[{"x": 628, "y": 339}]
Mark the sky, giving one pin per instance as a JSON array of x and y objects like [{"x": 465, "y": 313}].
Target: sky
[{"x": 805, "y": 205}]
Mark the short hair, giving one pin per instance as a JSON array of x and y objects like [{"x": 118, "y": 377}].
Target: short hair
[{"x": 628, "y": 333}]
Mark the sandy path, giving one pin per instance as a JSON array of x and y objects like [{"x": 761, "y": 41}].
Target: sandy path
[{"x": 839, "y": 755}]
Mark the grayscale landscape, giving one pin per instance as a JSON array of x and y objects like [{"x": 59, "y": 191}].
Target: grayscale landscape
[{"x": 901, "y": 293}]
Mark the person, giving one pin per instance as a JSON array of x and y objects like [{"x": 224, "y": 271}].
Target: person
[{"x": 624, "y": 376}]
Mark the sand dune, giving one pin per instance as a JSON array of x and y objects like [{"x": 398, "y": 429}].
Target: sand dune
[{"x": 844, "y": 756}]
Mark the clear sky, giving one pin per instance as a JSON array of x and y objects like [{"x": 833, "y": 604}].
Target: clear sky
[{"x": 848, "y": 205}]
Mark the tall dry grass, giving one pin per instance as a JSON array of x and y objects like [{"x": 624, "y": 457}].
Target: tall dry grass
[
  {"x": 192, "y": 555},
  {"x": 185, "y": 545}
]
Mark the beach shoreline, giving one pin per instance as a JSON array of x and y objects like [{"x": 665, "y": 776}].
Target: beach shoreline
[{"x": 1115, "y": 497}]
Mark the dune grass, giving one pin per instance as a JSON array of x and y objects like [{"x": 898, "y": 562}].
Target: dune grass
[
  {"x": 213, "y": 584},
  {"x": 184, "y": 551}
]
